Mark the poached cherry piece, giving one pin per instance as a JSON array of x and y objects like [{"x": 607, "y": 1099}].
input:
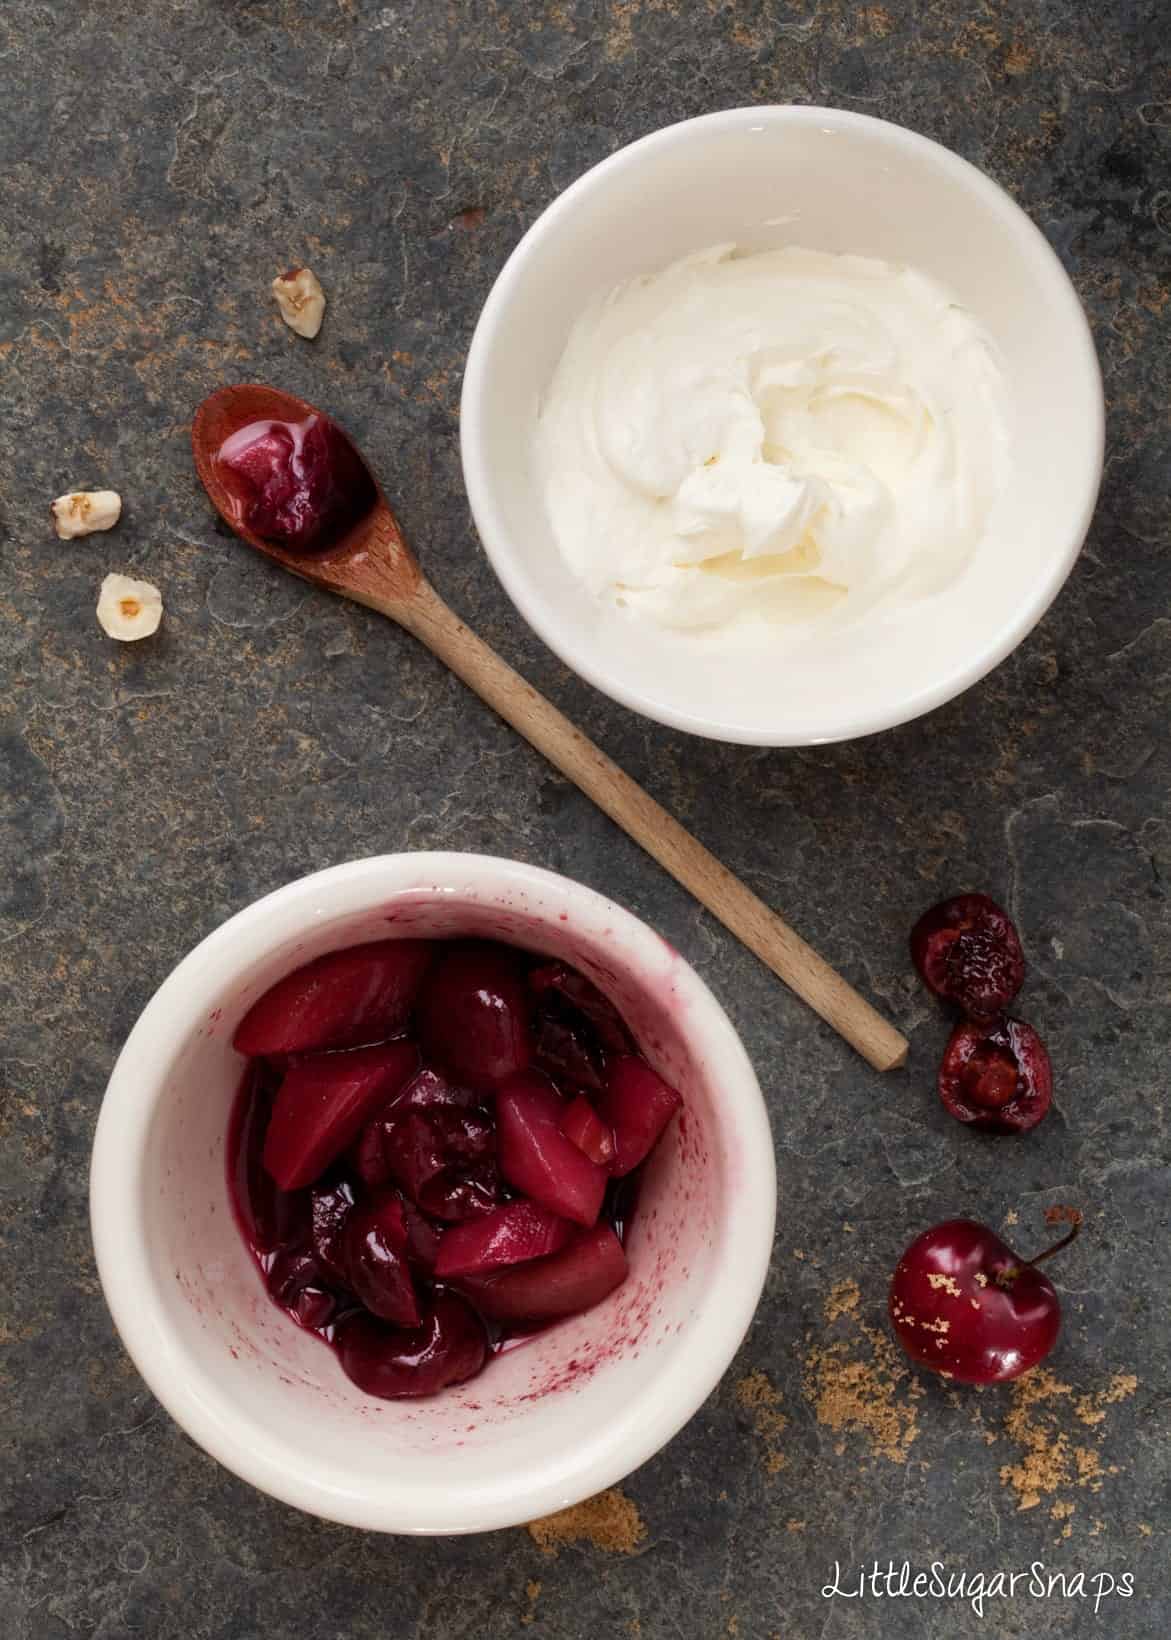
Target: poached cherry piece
[
  {"x": 474, "y": 1017},
  {"x": 449, "y": 1346},
  {"x": 996, "y": 1077},
  {"x": 967, "y": 951},
  {"x": 300, "y": 484},
  {"x": 436, "y": 1150},
  {"x": 963, "y": 1303}
]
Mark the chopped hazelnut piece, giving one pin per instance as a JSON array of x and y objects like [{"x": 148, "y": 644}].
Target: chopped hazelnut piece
[
  {"x": 301, "y": 300},
  {"x": 80, "y": 512},
  {"x": 129, "y": 609}
]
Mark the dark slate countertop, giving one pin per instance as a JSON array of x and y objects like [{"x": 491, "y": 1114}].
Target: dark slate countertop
[{"x": 159, "y": 161}]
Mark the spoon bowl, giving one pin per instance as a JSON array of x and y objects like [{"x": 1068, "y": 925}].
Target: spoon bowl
[{"x": 369, "y": 557}]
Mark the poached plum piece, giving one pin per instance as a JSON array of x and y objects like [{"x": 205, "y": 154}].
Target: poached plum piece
[
  {"x": 324, "y": 1102},
  {"x": 448, "y": 1347},
  {"x": 566, "y": 1283},
  {"x": 474, "y": 1014},
  {"x": 637, "y": 1104},
  {"x": 377, "y": 1271},
  {"x": 967, "y": 951},
  {"x": 537, "y": 1158},
  {"x": 585, "y": 1127},
  {"x": 511, "y": 1234},
  {"x": 996, "y": 1077},
  {"x": 269, "y": 1217},
  {"x": 301, "y": 484},
  {"x": 341, "y": 1000}
]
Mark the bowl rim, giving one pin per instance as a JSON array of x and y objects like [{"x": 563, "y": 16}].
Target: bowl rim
[
  {"x": 587, "y": 1461},
  {"x": 561, "y": 637}
]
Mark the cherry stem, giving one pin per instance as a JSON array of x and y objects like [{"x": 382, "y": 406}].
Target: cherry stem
[
  {"x": 1069, "y": 1236},
  {"x": 1006, "y": 1277}
]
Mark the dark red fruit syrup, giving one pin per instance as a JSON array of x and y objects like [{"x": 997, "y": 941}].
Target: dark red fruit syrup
[
  {"x": 300, "y": 484},
  {"x": 435, "y": 1150}
]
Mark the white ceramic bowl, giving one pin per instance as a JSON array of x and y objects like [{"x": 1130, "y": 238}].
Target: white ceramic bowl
[
  {"x": 833, "y": 181},
  {"x": 573, "y": 1411}
]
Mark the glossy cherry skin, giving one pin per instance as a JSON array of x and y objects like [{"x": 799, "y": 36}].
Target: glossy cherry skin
[
  {"x": 301, "y": 484},
  {"x": 996, "y": 1077},
  {"x": 964, "y": 1304},
  {"x": 377, "y": 1271},
  {"x": 448, "y": 1347},
  {"x": 474, "y": 1015},
  {"x": 967, "y": 951}
]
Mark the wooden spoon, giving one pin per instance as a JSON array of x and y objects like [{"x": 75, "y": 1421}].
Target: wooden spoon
[{"x": 373, "y": 565}]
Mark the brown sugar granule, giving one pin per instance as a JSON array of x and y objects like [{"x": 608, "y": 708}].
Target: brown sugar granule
[
  {"x": 609, "y": 1521},
  {"x": 844, "y": 1297},
  {"x": 1091, "y": 1409},
  {"x": 862, "y": 1396},
  {"x": 532, "y": 1591},
  {"x": 762, "y": 1402},
  {"x": 1045, "y": 1464},
  {"x": 949, "y": 1284},
  {"x": 799, "y": 1526},
  {"x": 1049, "y": 1459},
  {"x": 1062, "y": 1509}
]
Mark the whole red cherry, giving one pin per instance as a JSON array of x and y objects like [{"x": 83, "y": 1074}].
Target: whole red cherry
[
  {"x": 996, "y": 1077},
  {"x": 964, "y": 1304},
  {"x": 968, "y": 952}
]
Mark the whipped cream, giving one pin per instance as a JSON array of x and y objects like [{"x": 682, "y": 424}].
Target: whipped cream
[{"x": 786, "y": 437}]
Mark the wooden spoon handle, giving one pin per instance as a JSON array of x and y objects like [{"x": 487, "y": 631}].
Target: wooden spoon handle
[{"x": 430, "y": 620}]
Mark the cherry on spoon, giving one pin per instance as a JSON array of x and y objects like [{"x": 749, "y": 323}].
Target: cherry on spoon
[{"x": 359, "y": 552}]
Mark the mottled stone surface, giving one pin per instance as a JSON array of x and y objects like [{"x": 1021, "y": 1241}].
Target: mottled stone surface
[{"x": 158, "y": 162}]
